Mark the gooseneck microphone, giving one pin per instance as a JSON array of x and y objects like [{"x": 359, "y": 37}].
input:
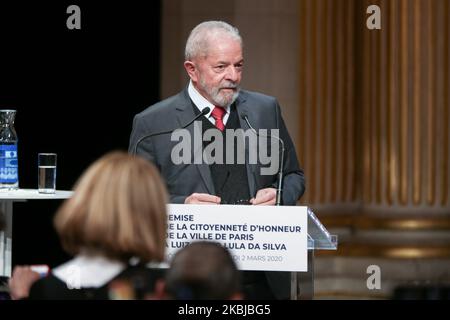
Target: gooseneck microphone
[
  {"x": 204, "y": 112},
  {"x": 281, "y": 166}
]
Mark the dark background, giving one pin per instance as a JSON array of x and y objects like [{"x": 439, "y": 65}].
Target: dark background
[{"x": 75, "y": 92}]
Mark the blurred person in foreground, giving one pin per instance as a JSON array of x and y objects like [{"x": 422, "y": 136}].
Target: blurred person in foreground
[
  {"x": 114, "y": 224},
  {"x": 203, "y": 271}
]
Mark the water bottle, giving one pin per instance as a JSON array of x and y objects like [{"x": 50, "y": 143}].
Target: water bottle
[{"x": 9, "y": 173}]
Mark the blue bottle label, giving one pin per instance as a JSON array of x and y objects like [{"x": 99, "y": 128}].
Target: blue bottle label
[{"x": 8, "y": 164}]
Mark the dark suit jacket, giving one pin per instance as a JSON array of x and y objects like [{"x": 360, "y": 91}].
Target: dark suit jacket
[{"x": 182, "y": 180}]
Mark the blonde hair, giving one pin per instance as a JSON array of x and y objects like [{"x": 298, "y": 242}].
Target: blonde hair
[{"x": 118, "y": 209}]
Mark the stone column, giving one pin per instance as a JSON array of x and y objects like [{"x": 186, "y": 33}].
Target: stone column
[{"x": 374, "y": 106}]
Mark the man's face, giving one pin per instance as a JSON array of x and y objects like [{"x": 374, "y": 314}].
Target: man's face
[{"x": 217, "y": 76}]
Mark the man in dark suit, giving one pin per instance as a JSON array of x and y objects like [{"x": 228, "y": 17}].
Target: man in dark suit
[{"x": 214, "y": 63}]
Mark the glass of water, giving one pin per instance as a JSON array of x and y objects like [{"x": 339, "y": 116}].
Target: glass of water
[{"x": 47, "y": 172}]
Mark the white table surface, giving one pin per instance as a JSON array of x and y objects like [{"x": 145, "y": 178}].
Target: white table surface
[
  {"x": 32, "y": 194},
  {"x": 7, "y": 199}
]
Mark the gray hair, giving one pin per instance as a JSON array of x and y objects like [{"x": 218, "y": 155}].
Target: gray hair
[{"x": 197, "y": 43}]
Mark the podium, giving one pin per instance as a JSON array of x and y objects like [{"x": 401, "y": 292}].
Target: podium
[
  {"x": 302, "y": 283},
  {"x": 7, "y": 198},
  {"x": 287, "y": 237}
]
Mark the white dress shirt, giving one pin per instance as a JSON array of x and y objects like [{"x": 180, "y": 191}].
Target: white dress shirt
[{"x": 201, "y": 103}]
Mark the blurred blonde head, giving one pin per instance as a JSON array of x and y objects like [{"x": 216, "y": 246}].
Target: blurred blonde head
[{"x": 118, "y": 209}]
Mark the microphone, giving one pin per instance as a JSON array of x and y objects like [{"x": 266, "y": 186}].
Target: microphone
[
  {"x": 204, "y": 112},
  {"x": 281, "y": 167}
]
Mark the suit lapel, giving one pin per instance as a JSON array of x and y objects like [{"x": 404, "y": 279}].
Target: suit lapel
[{"x": 185, "y": 113}]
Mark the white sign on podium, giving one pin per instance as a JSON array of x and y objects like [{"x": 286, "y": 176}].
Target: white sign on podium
[{"x": 264, "y": 238}]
